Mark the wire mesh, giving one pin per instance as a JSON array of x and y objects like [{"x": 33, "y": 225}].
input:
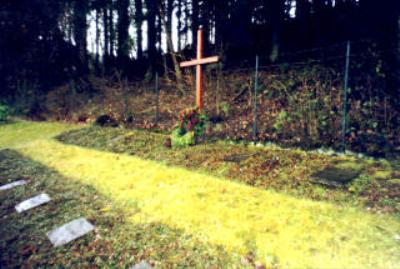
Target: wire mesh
[{"x": 299, "y": 102}]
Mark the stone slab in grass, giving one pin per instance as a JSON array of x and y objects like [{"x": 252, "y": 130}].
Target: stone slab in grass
[
  {"x": 12, "y": 185},
  {"x": 32, "y": 202},
  {"x": 142, "y": 265},
  {"x": 334, "y": 176},
  {"x": 69, "y": 232}
]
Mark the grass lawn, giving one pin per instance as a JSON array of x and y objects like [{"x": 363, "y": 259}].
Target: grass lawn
[
  {"x": 148, "y": 207},
  {"x": 286, "y": 171}
]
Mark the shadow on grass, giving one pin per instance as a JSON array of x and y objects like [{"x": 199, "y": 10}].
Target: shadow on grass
[{"x": 115, "y": 243}]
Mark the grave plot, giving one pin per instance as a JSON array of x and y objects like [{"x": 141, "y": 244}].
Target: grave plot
[
  {"x": 70, "y": 231},
  {"x": 12, "y": 185},
  {"x": 32, "y": 202},
  {"x": 334, "y": 176}
]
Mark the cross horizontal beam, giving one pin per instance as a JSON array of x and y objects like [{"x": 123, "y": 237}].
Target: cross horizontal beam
[{"x": 194, "y": 62}]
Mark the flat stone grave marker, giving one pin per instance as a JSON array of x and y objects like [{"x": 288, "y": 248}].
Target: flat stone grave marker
[
  {"x": 32, "y": 202},
  {"x": 12, "y": 185},
  {"x": 334, "y": 176},
  {"x": 69, "y": 232},
  {"x": 142, "y": 265}
]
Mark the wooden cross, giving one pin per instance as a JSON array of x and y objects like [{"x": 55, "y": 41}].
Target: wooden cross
[{"x": 198, "y": 62}]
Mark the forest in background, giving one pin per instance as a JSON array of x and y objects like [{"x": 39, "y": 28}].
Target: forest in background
[{"x": 47, "y": 70}]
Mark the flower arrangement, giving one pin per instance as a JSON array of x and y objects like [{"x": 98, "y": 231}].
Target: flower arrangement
[{"x": 190, "y": 129}]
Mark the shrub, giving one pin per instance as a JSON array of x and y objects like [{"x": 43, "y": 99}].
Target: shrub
[
  {"x": 106, "y": 121},
  {"x": 225, "y": 108},
  {"x": 180, "y": 138},
  {"x": 191, "y": 127},
  {"x": 4, "y": 113},
  {"x": 281, "y": 120}
]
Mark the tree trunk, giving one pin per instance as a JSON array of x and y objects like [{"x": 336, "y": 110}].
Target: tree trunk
[
  {"x": 178, "y": 74},
  {"x": 106, "y": 54},
  {"x": 179, "y": 24},
  {"x": 303, "y": 9},
  {"x": 111, "y": 28},
  {"x": 151, "y": 29},
  {"x": 276, "y": 10},
  {"x": 159, "y": 34},
  {"x": 97, "y": 60},
  {"x": 195, "y": 22},
  {"x": 218, "y": 23},
  {"x": 123, "y": 33},
  {"x": 139, "y": 21},
  {"x": 205, "y": 23},
  {"x": 81, "y": 8},
  {"x": 169, "y": 10},
  {"x": 318, "y": 6}
]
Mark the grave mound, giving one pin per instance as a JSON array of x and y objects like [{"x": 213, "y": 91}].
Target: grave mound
[{"x": 335, "y": 176}]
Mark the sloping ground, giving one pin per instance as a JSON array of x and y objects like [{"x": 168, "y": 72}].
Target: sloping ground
[
  {"x": 377, "y": 185},
  {"x": 279, "y": 229},
  {"x": 300, "y": 107}
]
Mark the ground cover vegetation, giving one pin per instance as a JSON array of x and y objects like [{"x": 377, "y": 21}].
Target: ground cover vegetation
[
  {"x": 153, "y": 203},
  {"x": 270, "y": 167},
  {"x": 296, "y": 107}
]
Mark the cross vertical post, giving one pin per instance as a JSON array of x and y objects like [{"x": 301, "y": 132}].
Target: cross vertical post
[
  {"x": 198, "y": 62},
  {"x": 199, "y": 73}
]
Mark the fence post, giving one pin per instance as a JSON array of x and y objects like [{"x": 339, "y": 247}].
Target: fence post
[
  {"x": 255, "y": 100},
  {"x": 157, "y": 116},
  {"x": 346, "y": 85}
]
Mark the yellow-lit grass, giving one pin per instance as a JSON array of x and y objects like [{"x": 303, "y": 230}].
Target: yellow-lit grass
[
  {"x": 294, "y": 233},
  {"x": 18, "y": 133}
]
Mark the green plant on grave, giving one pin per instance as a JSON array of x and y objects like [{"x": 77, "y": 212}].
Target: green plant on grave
[
  {"x": 4, "y": 113},
  {"x": 225, "y": 107},
  {"x": 280, "y": 121},
  {"x": 360, "y": 184},
  {"x": 180, "y": 138},
  {"x": 191, "y": 127}
]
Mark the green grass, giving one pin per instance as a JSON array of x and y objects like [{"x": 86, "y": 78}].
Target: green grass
[
  {"x": 116, "y": 242},
  {"x": 207, "y": 211},
  {"x": 18, "y": 133},
  {"x": 287, "y": 171}
]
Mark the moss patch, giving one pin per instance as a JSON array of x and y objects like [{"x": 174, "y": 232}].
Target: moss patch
[{"x": 335, "y": 177}]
